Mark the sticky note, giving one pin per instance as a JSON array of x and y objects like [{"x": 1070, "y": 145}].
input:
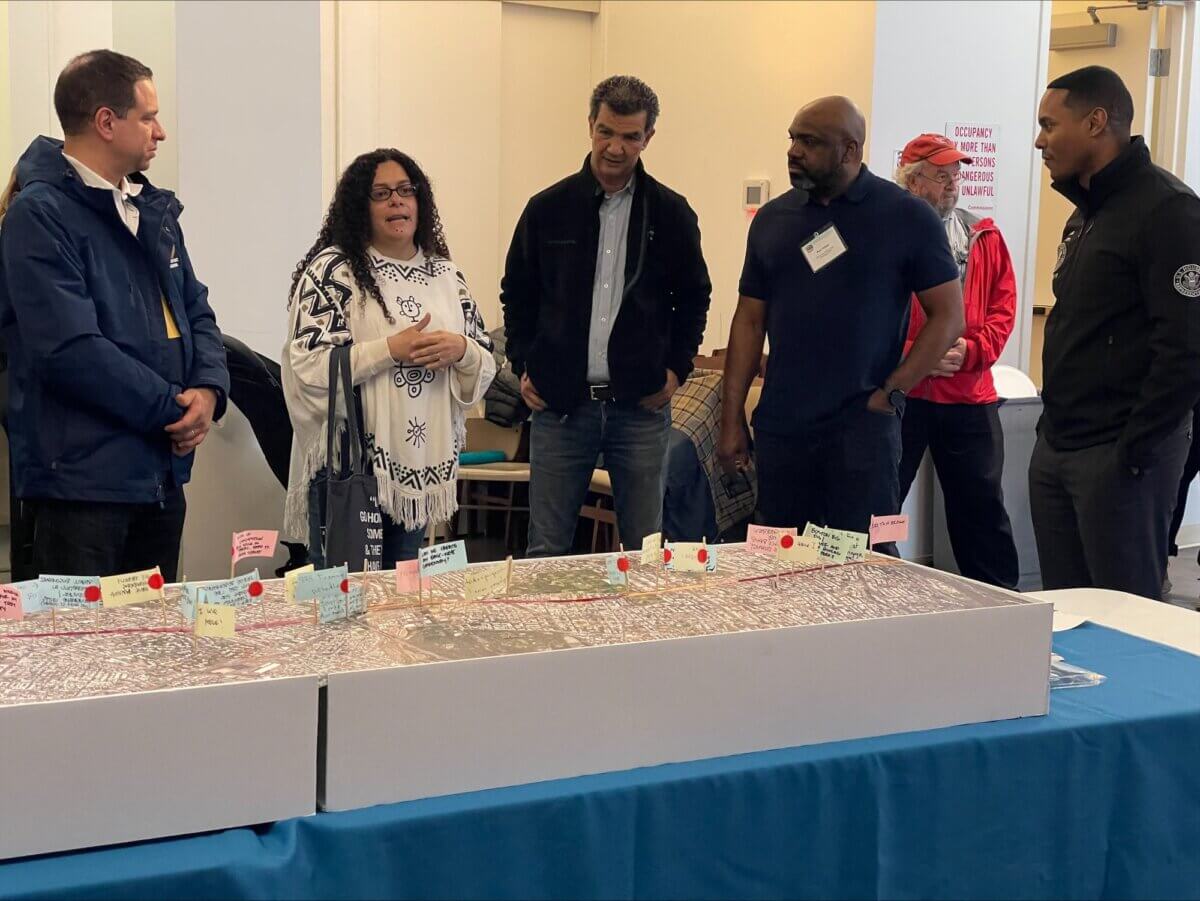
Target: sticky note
[
  {"x": 448, "y": 557},
  {"x": 856, "y": 544},
  {"x": 800, "y": 551},
  {"x": 67, "y": 591},
  {"x": 131, "y": 588},
  {"x": 835, "y": 545},
  {"x": 481, "y": 582},
  {"x": 254, "y": 543},
  {"x": 889, "y": 528},
  {"x": 332, "y": 606},
  {"x": 408, "y": 577},
  {"x": 616, "y": 568},
  {"x": 215, "y": 620},
  {"x": 765, "y": 539},
  {"x": 234, "y": 592},
  {"x": 10, "y": 602},
  {"x": 356, "y": 601},
  {"x": 652, "y": 549},
  {"x": 322, "y": 583},
  {"x": 32, "y": 599},
  {"x": 289, "y": 582},
  {"x": 189, "y": 596},
  {"x": 689, "y": 556}
]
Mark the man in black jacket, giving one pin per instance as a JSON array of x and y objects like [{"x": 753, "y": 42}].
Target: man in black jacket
[
  {"x": 1121, "y": 360},
  {"x": 605, "y": 296}
]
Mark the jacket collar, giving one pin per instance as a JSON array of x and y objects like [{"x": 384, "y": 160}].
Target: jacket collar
[
  {"x": 1109, "y": 180},
  {"x": 43, "y": 161},
  {"x": 588, "y": 182}
]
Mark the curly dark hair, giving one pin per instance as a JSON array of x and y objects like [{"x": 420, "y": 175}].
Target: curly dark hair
[{"x": 347, "y": 223}]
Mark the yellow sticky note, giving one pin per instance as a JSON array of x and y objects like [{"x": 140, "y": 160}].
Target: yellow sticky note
[
  {"x": 486, "y": 581},
  {"x": 689, "y": 557},
  {"x": 652, "y": 549},
  {"x": 215, "y": 620},
  {"x": 131, "y": 588},
  {"x": 803, "y": 552},
  {"x": 289, "y": 582}
]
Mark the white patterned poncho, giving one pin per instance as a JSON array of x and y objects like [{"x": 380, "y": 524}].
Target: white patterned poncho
[{"x": 414, "y": 419}]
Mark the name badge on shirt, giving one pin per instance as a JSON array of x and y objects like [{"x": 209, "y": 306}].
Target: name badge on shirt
[{"x": 823, "y": 248}]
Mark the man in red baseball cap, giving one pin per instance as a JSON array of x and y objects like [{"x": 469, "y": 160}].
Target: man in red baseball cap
[{"x": 953, "y": 412}]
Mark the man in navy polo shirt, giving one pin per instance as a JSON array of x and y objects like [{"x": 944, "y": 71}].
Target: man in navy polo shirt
[{"x": 830, "y": 269}]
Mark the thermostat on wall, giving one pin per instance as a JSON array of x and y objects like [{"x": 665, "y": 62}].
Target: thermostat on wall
[{"x": 755, "y": 192}]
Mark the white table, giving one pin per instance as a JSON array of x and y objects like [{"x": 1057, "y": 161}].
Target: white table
[{"x": 1153, "y": 620}]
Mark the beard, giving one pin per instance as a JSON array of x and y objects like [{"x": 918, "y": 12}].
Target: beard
[{"x": 815, "y": 184}]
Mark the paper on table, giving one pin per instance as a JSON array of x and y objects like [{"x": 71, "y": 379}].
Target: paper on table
[
  {"x": 689, "y": 556},
  {"x": 321, "y": 583},
  {"x": 652, "y": 549},
  {"x": 802, "y": 551},
  {"x": 408, "y": 577},
  {"x": 889, "y": 528},
  {"x": 10, "y": 602},
  {"x": 254, "y": 543},
  {"x": 131, "y": 588},
  {"x": 765, "y": 539},
  {"x": 215, "y": 620},
  {"x": 234, "y": 592},
  {"x": 32, "y": 598},
  {"x": 448, "y": 557},
  {"x": 613, "y": 571},
  {"x": 67, "y": 591},
  {"x": 1066, "y": 621},
  {"x": 289, "y": 582},
  {"x": 482, "y": 582}
]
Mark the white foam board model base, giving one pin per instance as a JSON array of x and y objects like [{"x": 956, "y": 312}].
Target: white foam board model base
[
  {"x": 423, "y": 730},
  {"x": 107, "y": 770}
]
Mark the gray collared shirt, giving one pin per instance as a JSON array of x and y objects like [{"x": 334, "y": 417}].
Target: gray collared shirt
[{"x": 609, "y": 284}]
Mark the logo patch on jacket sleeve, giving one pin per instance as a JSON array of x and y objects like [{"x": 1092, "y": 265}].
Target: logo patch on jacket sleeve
[{"x": 1187, "y": 280}]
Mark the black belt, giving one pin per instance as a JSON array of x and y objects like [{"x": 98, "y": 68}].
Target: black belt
[{"x": 600, "y": 392}]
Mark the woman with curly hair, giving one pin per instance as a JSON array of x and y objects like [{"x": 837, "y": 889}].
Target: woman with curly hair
[{"x": 379, "y": 278}]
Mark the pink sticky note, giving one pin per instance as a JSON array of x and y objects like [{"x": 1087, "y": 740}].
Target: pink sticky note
[
  {"x": 10, "y": 602},
  {"x": 408, "y": 577},
  {"x": 764, "y": 539},
  {"x": 254, "y": 543},
  {"x": 889, "y": 528}
]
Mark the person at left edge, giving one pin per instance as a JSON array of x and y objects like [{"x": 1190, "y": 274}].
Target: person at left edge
[{"x": 117, "y": 366}]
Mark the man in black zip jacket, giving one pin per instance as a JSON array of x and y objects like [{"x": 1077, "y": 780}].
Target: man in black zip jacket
[
  {"x": 1121, "y": 360},
  {"x": 605, "y": 297}
]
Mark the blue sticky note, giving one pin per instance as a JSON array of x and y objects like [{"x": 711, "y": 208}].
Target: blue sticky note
[
  {"x": 331, "y": 607},
  {"x": 612, "y": 572},
  {"x": 322, "y": 583},
  {"x": 189, "y": 596},
  {"x": 66, "y": 591},
  {"x": 356, "y": 601},
  {"x": 710, "y": 565},
  {"x": 234, "y": 592},
  {"x": 448, "y": 557},
  {"x": 33, "y": 599}
]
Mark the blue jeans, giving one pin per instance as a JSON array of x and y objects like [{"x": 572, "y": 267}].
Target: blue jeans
[
  {"x": 689, "y": 513},
  {"x": 562, "y": 455},
  {"x": 399, "y": 543}
]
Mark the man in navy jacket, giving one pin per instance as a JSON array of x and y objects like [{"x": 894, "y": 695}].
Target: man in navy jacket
[{"x": 117, "y": 365}]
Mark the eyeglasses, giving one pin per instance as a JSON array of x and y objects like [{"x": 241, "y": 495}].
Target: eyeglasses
[
  {"x": 382, "y": 193},
  {"x": 943, "y": 178}
]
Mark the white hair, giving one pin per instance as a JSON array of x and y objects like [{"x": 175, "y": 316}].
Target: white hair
[{"x": 905, "y": 173}]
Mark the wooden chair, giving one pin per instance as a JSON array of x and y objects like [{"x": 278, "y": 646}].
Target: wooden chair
[{"x": 475, "y": 481}]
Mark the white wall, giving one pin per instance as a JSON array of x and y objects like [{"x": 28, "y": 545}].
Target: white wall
[
  {"x": 249, "y": 145},
  {"x": 730, "y": 77},
  {"x": 965, "y": 62}
]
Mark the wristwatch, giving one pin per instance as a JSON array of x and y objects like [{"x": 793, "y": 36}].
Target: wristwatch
[{"x": 897, "y": 398}]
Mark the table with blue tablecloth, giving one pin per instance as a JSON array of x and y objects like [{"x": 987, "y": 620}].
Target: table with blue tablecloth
[{"x": 1099, "y": 799}]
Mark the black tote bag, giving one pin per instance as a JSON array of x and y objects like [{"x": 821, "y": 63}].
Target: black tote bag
[{"x": 353, "y": 521}]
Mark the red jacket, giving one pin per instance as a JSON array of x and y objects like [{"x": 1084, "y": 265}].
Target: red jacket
[{"x": 990, "y": 308}]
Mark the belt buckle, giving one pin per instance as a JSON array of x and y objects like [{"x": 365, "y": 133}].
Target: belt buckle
[{"x": 599, "y": 392}]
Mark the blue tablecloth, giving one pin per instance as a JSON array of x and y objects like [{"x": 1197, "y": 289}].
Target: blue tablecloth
[{"x": 1100, "y": 799}]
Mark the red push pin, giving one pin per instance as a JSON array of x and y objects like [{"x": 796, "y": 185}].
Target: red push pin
[
  {"x": 666, "y": 555},
  {"x": 623, "y": 564},
  {"x": 254, "y": 589},
  {"x": 91, "y": 594},
  {"x": 155, "y": 581},
  {"x": 702, "y": 555},
  {"x": 345, "y": 586},
  {"x": 786, "y": 541}
]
